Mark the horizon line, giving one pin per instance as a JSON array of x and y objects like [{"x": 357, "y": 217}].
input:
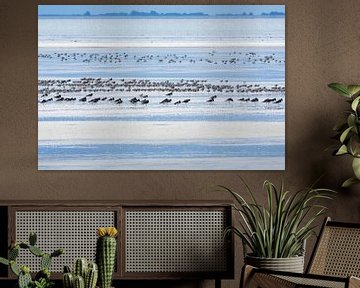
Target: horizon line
[{"x": 162, "y": 14}]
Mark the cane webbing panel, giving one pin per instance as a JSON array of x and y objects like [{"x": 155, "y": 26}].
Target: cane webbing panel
[
  {"x": 175, "y": 241},
  {"x": 75, "y": 231},
  {"x": 260, "y": 280},
  {"x": 338, "y": 252},
  {"x": 313, "y": 282}
]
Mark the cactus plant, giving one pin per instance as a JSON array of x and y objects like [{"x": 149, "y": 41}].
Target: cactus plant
[
  {"x": 36, "y": 251},
  {"x": 24, "y": 277},
  {"x": 4, "y": 261},
  {"x": 13, "y": 253},
  {"x": 42, "y": 278},
  {"x": 57, "y": 253},
  {"x": 43, "y": 274},
  {"x": 68, "y": 280},
  {"x": 32, "y": 239},
  {"x": 106, "y": 254},
  {"x": 14, "y": 268},
  {"x": 91, "y": 276},
  {"x": 24, "y": 245},
  {"x": 84, "y": 274},
  {"x": 79, "y": 282},
  {"x": 67, "y": 269},
  {"x": 80, "y": 268},
  {"x": 45, "y": 261}
]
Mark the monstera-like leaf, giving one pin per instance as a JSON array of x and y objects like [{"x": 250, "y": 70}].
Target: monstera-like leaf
[
  {"x": 348, "y": 132},
  {"x": 345, "y": 90}
]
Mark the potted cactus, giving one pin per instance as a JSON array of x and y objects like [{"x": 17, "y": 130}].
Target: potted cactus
[
  {"x": 42, "y": 278},
  {"x": 84, "y": 275},
  {"x": 106, "y": 254}
]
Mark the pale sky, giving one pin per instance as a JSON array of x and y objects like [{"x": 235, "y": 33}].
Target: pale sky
[{"x": 208, "y": 9}]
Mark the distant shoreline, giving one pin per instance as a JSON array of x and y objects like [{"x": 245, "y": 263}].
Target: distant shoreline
[{"x": 159, "y": 16}]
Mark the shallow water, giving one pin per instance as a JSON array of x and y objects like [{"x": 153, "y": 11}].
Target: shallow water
[
  {"x": 198, "y": 63},
  {"x": 100, "y": 31},
  {"x": 212, "y": 52}
]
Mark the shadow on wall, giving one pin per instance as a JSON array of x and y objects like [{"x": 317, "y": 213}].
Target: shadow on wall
[
  {"x": 333, "y": 169},
  {"x": 330, "y": 170}
]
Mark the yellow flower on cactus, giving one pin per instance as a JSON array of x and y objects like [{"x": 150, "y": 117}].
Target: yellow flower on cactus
[
  {"x": 101, "y": 231},
  {"x": 106, "y": 231},
  {"x": 112, "y": 231}
]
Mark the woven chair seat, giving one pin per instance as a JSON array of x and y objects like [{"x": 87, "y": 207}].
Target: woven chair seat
[
  {"x": 335, "y": 262},
  {"x": 313, "y": 282}
]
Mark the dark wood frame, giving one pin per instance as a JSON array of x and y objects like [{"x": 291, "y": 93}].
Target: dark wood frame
[{"x": 120, "y": 208}]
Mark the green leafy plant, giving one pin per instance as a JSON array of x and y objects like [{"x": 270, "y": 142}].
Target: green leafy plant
[
  {"x": 348, "y": 133},
  {"x": 42, "y": 278},
  {"x": 279, "y": 229},
  {"x": 43, "y": 283}
]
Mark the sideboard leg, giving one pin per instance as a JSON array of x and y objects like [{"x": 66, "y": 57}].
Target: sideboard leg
[{"x": 217, "y": 283}]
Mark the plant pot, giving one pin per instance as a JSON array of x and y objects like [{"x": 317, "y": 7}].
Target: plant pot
[{"x": 291, "y": 264}]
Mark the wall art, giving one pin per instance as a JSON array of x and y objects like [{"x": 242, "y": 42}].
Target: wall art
[{"x": 161, "y": 87}]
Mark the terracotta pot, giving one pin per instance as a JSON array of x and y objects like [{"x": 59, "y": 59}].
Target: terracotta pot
[{"x": 291, "y": 264}]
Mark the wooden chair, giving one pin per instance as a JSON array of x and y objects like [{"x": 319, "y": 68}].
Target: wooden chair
[{"x": 335, "y": 262}]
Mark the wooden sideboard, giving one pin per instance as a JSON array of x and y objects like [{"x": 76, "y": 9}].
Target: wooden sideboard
[{"x": 157, "y": 240}]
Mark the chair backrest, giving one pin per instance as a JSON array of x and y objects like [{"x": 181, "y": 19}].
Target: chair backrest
[{"x": 337, "y": 251}]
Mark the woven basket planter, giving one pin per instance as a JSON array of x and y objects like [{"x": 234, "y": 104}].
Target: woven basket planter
[{"x": 291, "y": 264}]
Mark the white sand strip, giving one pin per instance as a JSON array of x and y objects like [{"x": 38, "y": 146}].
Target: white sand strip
[
  {"x": 133, "y": 131},
  {"x": 159, "y": 44},
  {"x": 213, "y": 163}
]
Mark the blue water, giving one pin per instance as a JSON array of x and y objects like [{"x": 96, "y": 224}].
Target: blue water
[
  {"x": 118, "y": 151},
  {"x": 78, "y": 47},
  {"x": 244, "y": 69}
]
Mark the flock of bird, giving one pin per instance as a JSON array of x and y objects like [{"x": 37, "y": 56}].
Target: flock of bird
[
  {"x": 94, "y": 90},
  {"x": 143, "y": 99},
  {"x": 147, "y": 85},
  {"x": 144, "y": 91},
  {"x": 213, "y": 57}
]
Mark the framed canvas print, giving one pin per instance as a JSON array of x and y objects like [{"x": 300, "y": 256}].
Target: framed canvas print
[{"x": 161, "y": 87}]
